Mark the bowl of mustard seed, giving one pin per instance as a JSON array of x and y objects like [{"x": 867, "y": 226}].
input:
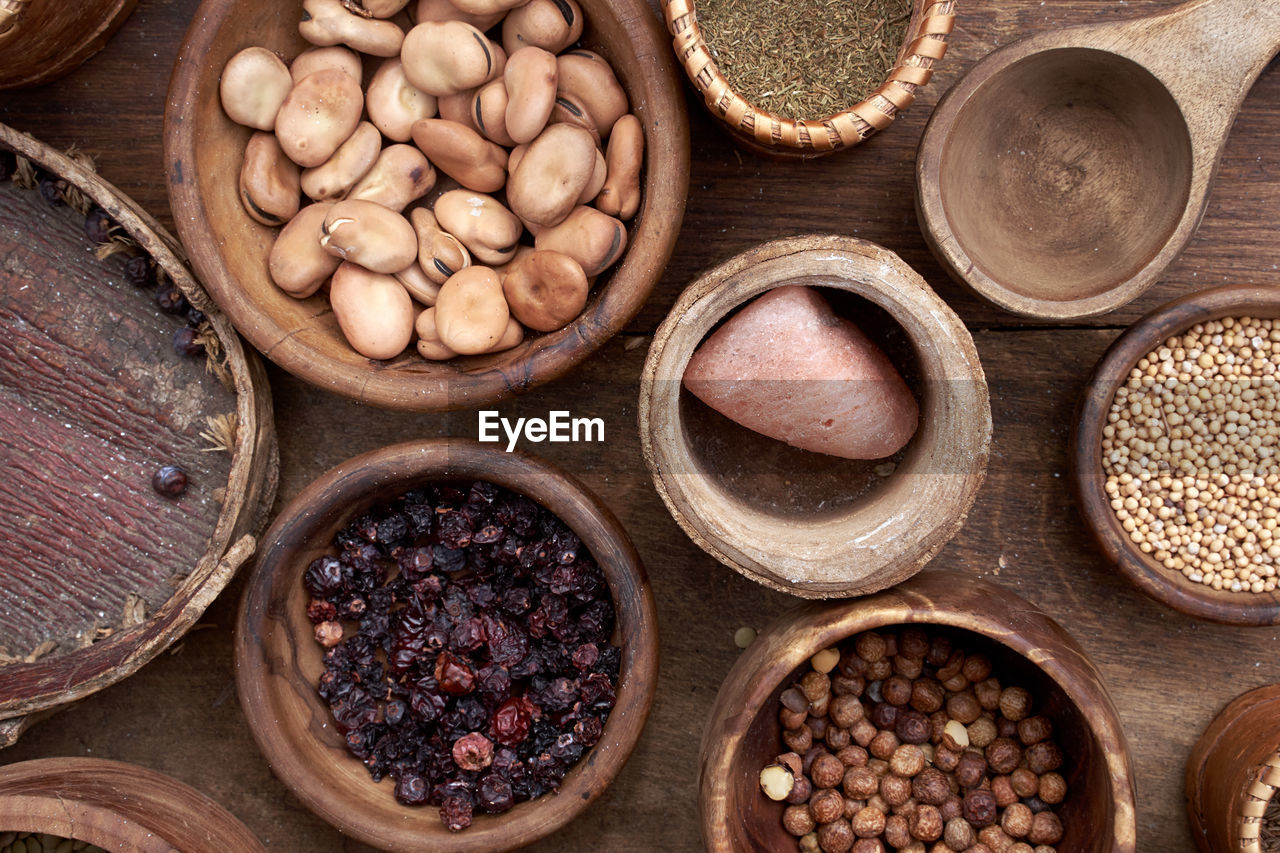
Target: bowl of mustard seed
[
  {"x": 808, "y": 78},
  {"x": 1175, "y": 454}
]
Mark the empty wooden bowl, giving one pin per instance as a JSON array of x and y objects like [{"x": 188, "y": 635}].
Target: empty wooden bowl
[
  {"x": 41, "y": 40},
  {"x": 204, "y": 150},
  {"x": 116, "y": 806},
  {"x": 807, "y": 523},
  {"x": 278, "y": 662},
  {"x": 1026, "y": 647},
  {"x": 1088, "y": 478}
]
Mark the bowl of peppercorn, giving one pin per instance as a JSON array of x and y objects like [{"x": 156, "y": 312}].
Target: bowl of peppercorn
[
  {"x": 943, "y": 711},
  {"x": 446, "y": 646},
  {"x": 1173, "y": 454}
]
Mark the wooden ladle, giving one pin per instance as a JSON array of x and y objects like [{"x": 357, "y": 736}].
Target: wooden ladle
[{"x": 1065, "y": 171}]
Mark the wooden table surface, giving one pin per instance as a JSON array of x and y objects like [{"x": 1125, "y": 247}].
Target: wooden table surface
[{"x": 1168, "y": 674}]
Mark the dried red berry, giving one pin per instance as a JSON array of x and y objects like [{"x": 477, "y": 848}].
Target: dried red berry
[
  {"x": 473, "y": 751},
  {"x": 170, "y": 481}
]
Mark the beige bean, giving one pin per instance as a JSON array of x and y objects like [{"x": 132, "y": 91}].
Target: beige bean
[
  {"x": 373, "y": 310},
  {"x": 471, "y": 312},
  {"x": 546, "y": 290},
  {"x": 531, "y": 88},
  {"x": 314, "y": 59},
  {"x": 419, "y": 286},
  {"x": 462, "y": 154},
  {"x": 401, "y": 175},
  {"x": 269, "y": 181},
  {"x": 552, "y": 174},
  {"x": 488, "y": 112},
  {"x": 522, "y": 251},
  {"x": 514, "y": 157},
  {"x": 298, "y": 264},
  {"x": 457, "y": 108},
  {"x": 569, "y": 110},
  {"x": 487, "y": 7},
  {"x": 335, "y": 177},
  {"x": 328, "y": 22},
  {"x": 444, "y": 10},
  {"x": 586, "y": 76},
  {"x": 254, "y": 84},
  {"x": 620, "y": 195},
  {"x": 594, "y": 239},
  {"x": 381, "y": 8},
  {"x": 512, "y": 336},
  {"x": 320, "y": 113},
  {"x": 440, "y": 254},
  {"x": 551, "y": 25},
  {"x": 447, "y": 57},
  {"x": 488, "y": 230},
  {"x": 394, "y": 104},
  {"x": 429, "y": 344},
  {"x": 375, "y": 237},
  {"x": 598, "y": 176}
]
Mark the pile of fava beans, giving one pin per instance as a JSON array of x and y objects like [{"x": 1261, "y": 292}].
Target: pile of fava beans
[{"x": 540, "y": 158}]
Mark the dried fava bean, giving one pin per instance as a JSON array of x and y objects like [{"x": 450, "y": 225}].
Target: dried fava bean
[
  {"x": 457, "y": 108},
  {"x": 598, "y": 176},
  {"x": 462, "y": 154},
  {"x": 444, "y": 10},
  {"x": 569, "y": 110},
  {"x": 373, "y": 310},
  {"x": 489, "y": 113},
  {"x": 298, "y": 264},
  {"x": 380, "y": 8},
  {"x": 548, "y": 179},
  {"x": 366, "y": 233},
  {"x": 440, "y": 254},
  {"x": 447, "y": 57},
  {"x": 314, "y": 59},
  {"x": 530, "y": 77},
  {"x": 394, "y": 103},
  {"x": 486, "y": 7},
  {"x": 335, "y": 177},
  {"x": 620, "y": 195},
  {"x": 330, "y": 22},
  {"x": 512, "y": 336},
  {"x": 400, "y": 175},
  {"x": 488, "y": 230},
  {"x": 319, "y": 114},
  {"x": 269, "y": 181},
  {"x": 545, "y": 290},
  {"x": 594, "y": 239},
  {"x": 551, "y": 25},
  {"x": 429, "y": 344},
  {"x": 420, "y": 287},
  {"x": 254, "y": 84},
  {"x": 471, "y": 313},
  {"x": 588, "y": 78}
]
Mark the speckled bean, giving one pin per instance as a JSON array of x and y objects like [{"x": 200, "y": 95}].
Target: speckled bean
[
  {"x": 373, "y": 236},
  {"x": 462, "y": 154},
  {"x": 401, "y": 175},
  {"x": 373, "y": 310},
  {"x": 320, "y": 113},
  {"x": 254, "y": 84},
  {"x": 269, "y": 181},
  {"x": 335, "y": 177},
  {"x": 329, "y": 22},
  {"x": 488, "y": 230},
  {"x": 394, "y": 104},
  {"x": 298, "y": 264}
]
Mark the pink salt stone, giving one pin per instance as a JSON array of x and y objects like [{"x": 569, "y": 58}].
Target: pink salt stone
[{"x": 788, "y": 367}]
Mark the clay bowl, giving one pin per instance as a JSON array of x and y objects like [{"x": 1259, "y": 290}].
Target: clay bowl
[
  {"x": 278, "y": 661},
  {"x": 116, "y": 806},
  {"x": 1026, "y": 647},
  {"x": 807, "y": 523},
  {"x": 204, "y": 149},
  {"x": 40, "y": 40},
  {"x": 1065, "y": 172},
  {"x": 1233, "y": 773},
  {"x": 1088, "y": 481},
  {"x": 98, "y": 572}
]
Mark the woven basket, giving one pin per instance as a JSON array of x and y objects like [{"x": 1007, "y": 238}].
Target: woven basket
[{"x": 762, "y": 131}]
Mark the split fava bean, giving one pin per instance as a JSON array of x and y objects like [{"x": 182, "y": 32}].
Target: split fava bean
[
  {"x": 552, "y": 174},
  {"x": 471, "y": 312},
  {"x": 394, "y": 104},
  {"x": 329, "y": 22},
  {"x": 594, "y": 239},
  {"x": 320, "y": 113},
  {"x": 401, "y": 175},
  {"x": 440, "y": 254},
  {"x": 375, "y": 237},
  {"x": 620, "y": 195},
  {"x": 269, "y": 181},
  {"x": 334, "y": 56},
  {"x": 462, "y": 154},
  {"x": 488, "y": 112},
  {"x": 447, "y": 57},
  {"x": 419, "y": 286},
  {"x": 373, "y": 310},
  {"x": 254, "y": 84},
  {"x": 551, "y": 25},
  {"x": 488, "y": 230},
  {"x": 429, "y": 344},
  {"x": 531, "y": 91},
  {"x": 298, "y": 264},
  {"x": 588, "y": 78},
  {"x": 335, "y": 177},
  {"x": 545, "y": 290},
  {"x": 444, "y": 10}
]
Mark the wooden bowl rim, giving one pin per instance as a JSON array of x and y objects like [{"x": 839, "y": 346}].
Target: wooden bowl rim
[
  {"x": 47, "y": 64},
  {"x": 758, "y": 555},
  {"x": 30, "y": 688},
  {"x": 1148, "y": 333},
  {"x": 118, "y": 806},
  {"x": 932, "y": 597},
  {"x": 469, "y": 382},
  {"x": 433, "y": 460}
]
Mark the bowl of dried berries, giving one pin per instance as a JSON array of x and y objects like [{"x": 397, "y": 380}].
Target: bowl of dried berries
[
  {"x": 944, "y": 711},
  {"x": 440, "y": 636},
  {"x": 1174, "y": 454}
]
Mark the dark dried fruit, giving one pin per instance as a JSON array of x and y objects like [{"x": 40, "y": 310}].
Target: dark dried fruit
[
  {"x": 98, "y": 225},
  {"x": 980, "y": 807},
  {"x": 170, "y": 299},
  {"x": 186, "y": 341},
  {"x": 170, "y": 481},
  {"x": 139, "y": 272}
]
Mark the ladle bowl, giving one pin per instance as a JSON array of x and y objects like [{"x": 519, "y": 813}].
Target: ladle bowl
[{"x": 1063, "y": 174}]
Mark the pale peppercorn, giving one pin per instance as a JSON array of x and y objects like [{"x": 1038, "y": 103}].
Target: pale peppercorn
[
  {"x": 1046, "y": 828},
  {"x": 826, "y": 805},
  {"x": 981, "y": 732},
  {"x": 797, "y": 820},
  {"x": 995, "y": 838},
  {"x": 863, "y": 732},
  {"x": 827, "y": 771},
  {"x": 868, "y": 845},
  {"x": 1024, "y": 782},
  {"x": 958, "y": 834},
  {"x": 1015, "y": 703},
  {"x": 836, "y": 837},
  {"x": 815, "y": 685},
  {"x": 883, "y": 745},
  {"x": 868, "y": 823},
  {"x": 907, "y": 760},
  {"x": 926, "y": 823},
  {"x": 860, "y": 783},
  {"x": 1052, "y": 788},
  {"x": 809, "y": 843},
  {"x": 1016, "y": 820},
  {"x": 895, "y": 790},
  {"x": 1003, "y": 755}
]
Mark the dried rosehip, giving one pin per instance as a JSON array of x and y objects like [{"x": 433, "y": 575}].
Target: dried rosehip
[
  {"x": 473, "y": 751},
  {"x": 453, "y": 675}
]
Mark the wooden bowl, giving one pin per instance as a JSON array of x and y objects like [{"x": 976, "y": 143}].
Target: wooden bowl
[
  {"x": 40, "y": 40},
  {"x": 806, "y": 523},
  {"x": 100, "y": 573},
  {"x": 742, "y": 734},
  {"x": 1162, "y": 584},
  {"x": 1233, "y": 773},
  {"x": 924, "y": 44},
  {"x": 278, "y": 663},
  {"x": 116, "y": 806},
  {"x": 203, "y": 150}
]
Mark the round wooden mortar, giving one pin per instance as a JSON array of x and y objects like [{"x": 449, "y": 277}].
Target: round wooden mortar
[
  {"x": 41, "y": 40},
  {"x": 857, "y": 530}
]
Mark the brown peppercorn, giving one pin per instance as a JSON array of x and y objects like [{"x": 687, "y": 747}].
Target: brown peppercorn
[
  {"x": 896, "y": 690},
  {"x": 870, "y": 646},
  {"x": 860, "y": 783},
  {"x": 1016, "y": 820},
  {"x": 863, "y": 732},
  {"x": 897, "y": 834},
  {"x": 868, "y": 845},
  {"x": 851, "y": 666},
  {"x": 909, "y": 668},
  {"x": 953, "y": 807},
  {"x": 1015, "y": 703},
  {"x": 847, "y": 685},
  {"x": 797, "y": 820},
  {"x": 837, "y": 738},
  {"x": 977, "y": 667},
  {"x": 995, "y": 838},
  {"x": 971, "y": 770},
  {"x": 1006, "y": 728},
  {"x": 836, "y": 837},
  {"x": 938, "y": 726},
  {"x": 895, "y": 790},
  {"x": 879, "y": 670},
  {"x": 980, "y": 807},
  {"x": 914, "y": 643},
  {"x": 907, "y": 808},
  {"x": 1019, "y": 847},
  {"x": 826, "y": 805},
  {"x": 817, "y": 725},
  {"x": 1034, "y": 729},
  {"x": 818, "y": 707},
  {"x": 1046, "y": 828},
  {"x": 927, "y": 695},
  {"x": 926, "y": 824},
  {"x": 1043, "y": 757},
  {"x": 810, "y": 754},
  {"x": 1003, "y": 754},
  {"x": 868, "y": 823},
  {"x": 946, "y": 759},
  {"x": 1052, "y": 788},
  {"x": 800, "y": 791},
  {"x": 845, "y": 710},
  {"x": 979, "y": 848},
  {"x": 809, "y": 843},
  {"x": 826, "y": 772},
  {"x": 907, "y": 760},
  {"x": 964, "y": 707},
  {"x": 883, "y": 715},
  {"x": 958, "y": 835},
  {"x": 792, "y": 719},
  {"x": 793, "y": 699},
  {"x": 815, "y": 684},
  {"x": 981, "y": 732},
  {"x": 913, "y": 727},
  {"x": 852, "y": 807},
  {"x": 1024, "y": 782},
  {"x": 987, "y": 693},
  {"x": 791, "y": 761},
  {"x": 798, "y": 739},
  {"x": 954, "y": 684},
  {"x": 883, "y": 745},
  {"x": 1002, "y": 788},
  {"x": 931, "y": 787},
  {"x": 939, "y": 653},
  {"x": 853, "y": 756}
]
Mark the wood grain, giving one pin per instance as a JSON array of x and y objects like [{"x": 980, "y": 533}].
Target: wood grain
[{"x": 45, "y": 39}]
